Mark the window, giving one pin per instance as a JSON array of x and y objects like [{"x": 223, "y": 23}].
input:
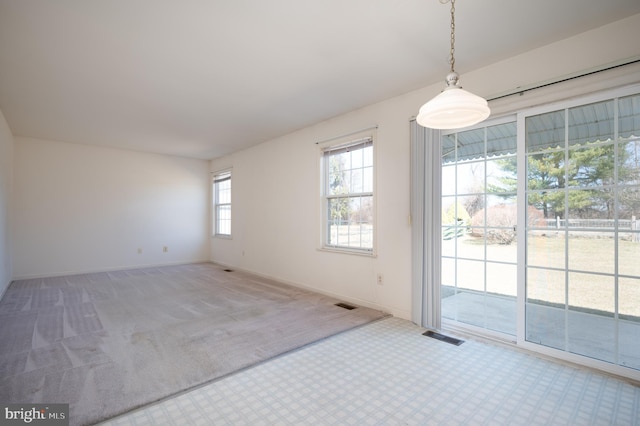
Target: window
[
  {"x": 348, "y": 210},
  {"x": 222, "y": 203}
]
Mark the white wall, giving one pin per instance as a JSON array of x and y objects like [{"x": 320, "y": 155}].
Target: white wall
[
  {"x": 81, "y": 208},
  {"x": 6, "y": 173},
  {"x": 275, "y": 185}
]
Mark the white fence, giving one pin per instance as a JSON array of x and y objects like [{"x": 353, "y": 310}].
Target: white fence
[{"x": 631, "y": 226}]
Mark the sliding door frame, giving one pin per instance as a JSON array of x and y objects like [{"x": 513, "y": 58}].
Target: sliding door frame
[
  {"x": 522, "y": 230},
  {"x": 428, "y": 316}
]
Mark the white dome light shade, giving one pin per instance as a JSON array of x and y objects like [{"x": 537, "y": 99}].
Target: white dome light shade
[{"x": 454, "y": 108}]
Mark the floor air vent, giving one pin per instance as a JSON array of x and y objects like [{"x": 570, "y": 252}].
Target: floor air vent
[
  {"x": 443, "y": 338},
  {"x": 344, "y": 305}
]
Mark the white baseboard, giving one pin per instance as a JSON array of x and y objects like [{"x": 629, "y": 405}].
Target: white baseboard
[
  {"x": 4, "y": 290},
  {"x": 110, "y": 269},
  {"x": 367, "y": 304}
]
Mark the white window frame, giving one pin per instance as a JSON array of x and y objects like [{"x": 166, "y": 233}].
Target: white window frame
[
  {"x": 216, "y": 180},
  {"x": 334, "y": 145}
]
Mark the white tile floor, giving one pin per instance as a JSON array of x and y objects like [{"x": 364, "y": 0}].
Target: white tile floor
[{"x": 387, "y": 373}]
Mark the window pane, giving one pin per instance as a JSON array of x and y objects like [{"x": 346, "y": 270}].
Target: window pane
[
  {"x": 448, "y": 247},
  {"x": 448, "y": 149},
  {"x": 592, "y": 307},
  {"x": 502, "y": 175},
  {"x": 546, "y": 249},
  {"x": 454, "y": 211},
  {"x": 629, "y": 299},
  {"x": 338, "y": 210},
  {"x": 629, "y": 252},
  {"x": 471, "y": 145},
  {"x": 223, "y": 215},
  {"x": 449, "y": 180},
  {"x": 501, "y": 139},
  {"x": 591, "y": 208},
  {"x": 470, "y": 275},
  {"x": 470, "y": 246},
  {"x": 357, "y": 157},
  {"x": 628, "y": 342},
  {"x": 367, "y": 156},
  {"x": 501, "y": 211},
  {"x": 545, "y": 301},
  {"x": 337, "y": 182},
  {"x": 470, "y": 178},
  {"x": 546, "y": 171},
  {"x": 344, "y": 160},
  {"x": 503, "y": 252},
  {"x": 536, "y": 219},
  {"x": 546, "y": 286},
  {"x": 629, "y": 202},
  {"x": 356, "y": 181},
  {"x": 224, "y": 192},
  {"x": 547, "y": 207},
  {"x": 629, "y": 162},
  {"x": 472, "y": 209},
  {"x": 592, "y": 293},
  {"x": 629, "y": 120},
  {"x": 448, "y": 210},
  {"x": 367, "y": 179},
  {"x": 502, "y": 279},
  {"x": 449, "y": 272},
  {"x": 545, "y": 131},
  {"x": 591, "y": 123},
  {"x": 502, "y": 236},
  {"x": 592, "y": 335},
  {"x": 355, "y": 210},
  {"x": 592, "y": 251},
  {"x": 350, "y": 222},
  {"x": 593, "y": 166}
]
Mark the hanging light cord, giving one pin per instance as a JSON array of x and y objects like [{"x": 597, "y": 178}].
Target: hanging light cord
[{"x": 452, "y": 59}]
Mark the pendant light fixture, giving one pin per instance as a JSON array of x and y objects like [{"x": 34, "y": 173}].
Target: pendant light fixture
[{"x": 454, "y": 107}]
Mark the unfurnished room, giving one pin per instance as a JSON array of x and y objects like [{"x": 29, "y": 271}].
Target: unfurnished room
[{"x": 285, "y": 212}]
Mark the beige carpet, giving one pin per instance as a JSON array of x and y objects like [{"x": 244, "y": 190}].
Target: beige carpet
[{"x": 110, "y": 342}]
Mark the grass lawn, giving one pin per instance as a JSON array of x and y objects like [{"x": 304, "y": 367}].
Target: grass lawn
[{"x": 591, "y": 261}]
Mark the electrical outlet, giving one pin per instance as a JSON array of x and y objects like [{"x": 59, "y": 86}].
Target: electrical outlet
[
  {"x": 165, "y": 249},
  {"x": 139, "y": 251},
  {"x": 380, "y": 279}
]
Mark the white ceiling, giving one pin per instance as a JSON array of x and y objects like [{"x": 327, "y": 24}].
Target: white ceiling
[{"x": 204, "y": 78}]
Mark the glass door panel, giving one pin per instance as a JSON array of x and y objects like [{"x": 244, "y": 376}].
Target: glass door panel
[
  {"x": 479, "y": 217},
  {"x": 582, "y": 239}
]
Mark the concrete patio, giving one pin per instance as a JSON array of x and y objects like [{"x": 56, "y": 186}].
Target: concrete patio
[{"x": 584, "y": 333}]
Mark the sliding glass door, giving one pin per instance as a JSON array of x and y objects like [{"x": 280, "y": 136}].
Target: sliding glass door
[
  {"x": 479, "y": 217},
  {"x": 541, "y": 228},
  {"x": 583, "y": 245}
]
